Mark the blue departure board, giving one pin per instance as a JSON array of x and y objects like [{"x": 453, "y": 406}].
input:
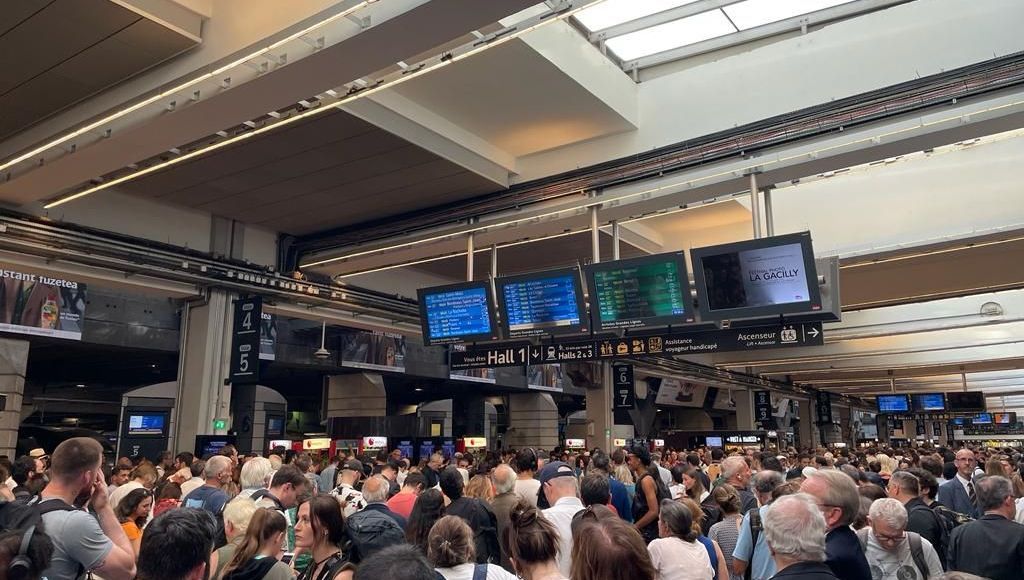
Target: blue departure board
[
  {"x": 893, "y": 403},
  {"x": 928, "y": 402},
  {"x": 542, "y": 303},
  {"x": 458, "y": 313}
]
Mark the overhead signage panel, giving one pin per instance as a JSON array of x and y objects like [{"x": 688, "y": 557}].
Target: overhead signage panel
[
  {"x": 727, "y": 340},
  {"x": 245, "y": 341},
  {"x": 457, "y": 313},
  {"x": 542, "y": 303},
  {"x": 624, "y": 389},
  {"x": 640, "y": 292}
]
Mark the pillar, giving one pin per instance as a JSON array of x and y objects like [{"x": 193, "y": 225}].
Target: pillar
[
  {"x": 599, "y": 411},
  {"x": 533, "y": 421},
  {"x": 203, "y": 368},
  {"x": 744, "y": 410},
  {"x": 808, "y": 429},
  {"x": 13, "y": 362}
]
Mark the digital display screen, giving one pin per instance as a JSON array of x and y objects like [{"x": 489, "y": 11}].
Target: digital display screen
[
  {"x": 928, "y": 402},
  {"x": 714, "y": 441},
  {"x": 146, "y": 424},
  {"x": 458, "y": 313},
  {"x": 982, "y": 419},
  {"x": 406, "y": 447},
  {"x": 275, "y": 426},
  {"x": 958, "y": 421},
  {"x": 893, "y": 403},
  {"x": 760, "y": 277},
  {"x": 966, "y": 401},
  {"x": 641, "y": 292},
  {"x": 542, "y": 303},
  {"x": 1004, "y": 418},
  {"x": 426, "y": 449},
  {"x": 448, "y": 448}
]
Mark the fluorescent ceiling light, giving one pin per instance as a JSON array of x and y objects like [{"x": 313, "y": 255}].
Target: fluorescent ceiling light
[
  {"x": 614, "y": 12},
  {"x": 682, "y": 32},
  {"x": 753, "y": 13}
]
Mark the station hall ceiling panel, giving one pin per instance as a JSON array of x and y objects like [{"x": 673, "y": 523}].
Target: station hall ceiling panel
[{"x": 55, "y": 53}]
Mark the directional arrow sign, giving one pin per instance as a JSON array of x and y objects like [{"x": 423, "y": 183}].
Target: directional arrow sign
[{"x": 564, "y": 352}]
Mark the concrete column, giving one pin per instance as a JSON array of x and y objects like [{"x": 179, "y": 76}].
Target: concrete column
[
  {"x": 13, "y": 362},
  {"x": 809, "y": 436},
  {"x": 744, "y": 409},
  {"x": 533, "y": 421},
  {"x": 599, "y": 412},
  {"x": 356, "y": 395},
  {"x": 845, "y": 425},
  {"x": 203, "y": 367}
]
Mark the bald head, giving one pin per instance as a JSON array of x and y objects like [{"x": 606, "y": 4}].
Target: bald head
[
  {"x": 504, "y": 479},
  {"x": 966, "y": 462}
]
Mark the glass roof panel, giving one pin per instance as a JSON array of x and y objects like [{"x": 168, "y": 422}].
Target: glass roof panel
[
  {"x": 613, "y": 12},
  {"x": 682, "y": 32},
  {"x": 753, "y": 13}
]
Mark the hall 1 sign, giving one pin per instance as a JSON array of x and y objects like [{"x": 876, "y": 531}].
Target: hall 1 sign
[
  {"x": 491, "y": 356},
  {"x": 624, "y": 390},
  {"x": 245, "y": 341}
]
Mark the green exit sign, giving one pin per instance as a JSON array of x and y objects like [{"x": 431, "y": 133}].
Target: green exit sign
[{"x": 220, "y": 424}]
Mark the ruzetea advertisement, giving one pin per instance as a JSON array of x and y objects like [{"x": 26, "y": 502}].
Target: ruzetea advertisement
[
  {"x": 32, "y": 303},
  {"x": 774, "y": 275}
]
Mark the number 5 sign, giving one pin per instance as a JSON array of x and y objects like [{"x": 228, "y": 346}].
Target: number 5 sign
[
  {"x": 245, "y": 341},
  {"x": 623, "y": 390}
]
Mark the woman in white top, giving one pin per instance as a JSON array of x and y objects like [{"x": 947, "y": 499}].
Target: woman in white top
[
  {"x": 451, "y": 551},
  {"x": 688, "y": 484},
  {"x": 676, "y": 554}
]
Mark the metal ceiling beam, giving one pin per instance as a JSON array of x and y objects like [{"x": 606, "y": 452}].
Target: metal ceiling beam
[{"x": 793, "y": 24}]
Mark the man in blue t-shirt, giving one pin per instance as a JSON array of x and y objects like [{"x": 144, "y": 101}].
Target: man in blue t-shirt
[
  {"x": 620, "y": 497},
  {"x": 210, "y": 496}
]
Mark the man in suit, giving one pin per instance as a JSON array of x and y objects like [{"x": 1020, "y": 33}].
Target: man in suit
[
  {"x": 993, "y": 546},
  {"x": 959, "y": 494}
]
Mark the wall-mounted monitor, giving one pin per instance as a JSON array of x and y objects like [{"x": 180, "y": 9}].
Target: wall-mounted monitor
[
  {"x": 928, "y": 402},
  {"x": 965, "y": 401},
  {"x": 1004, "y": 418},
  {"x": 757, "y": 278},
  {"x": 982, "y": 419},
  {"x": 457, "y": 313},
  {"x": 275, "y": 426},
  {"x": 713, "y": 441},
  {"x": 542, "y": 303},
  {"x": 893, "y": 403},
  {"x": 154, "y": 424},
  {"x": 958, "y": 421},
  {"x": 640, "y": 292}
]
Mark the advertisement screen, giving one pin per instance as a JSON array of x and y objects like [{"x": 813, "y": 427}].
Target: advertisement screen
[
  {"x": 146, "y": 424},
  {"x": 713, "y": 441},
  {"x": 542, "y": 303},
  {"x": 268, "y": 337},
  {"x": 448, "y": 448},
  {"x": 929, "y": 402},
  {"x": 275, "y": 426},
  {"x": 426, "y": 449},
  {"x": 458, "y": 313},
  {"x": 1004, "y": 418},
  {"x": 761, "y": 277},
  {"x": 406, "y": 447},
  {"x": 982, "y": 419},
  {"x": 965, "y": 401},
  {"x": 893, "y": 403},
  {"x": 641, "y": 292},
  {"x": 681, "y": 393},
  {"x": 36, "y": 304},
  {"x": 382, "y": 351}
]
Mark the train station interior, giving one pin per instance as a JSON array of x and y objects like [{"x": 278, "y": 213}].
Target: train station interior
[{"x": 305, "y": 224}]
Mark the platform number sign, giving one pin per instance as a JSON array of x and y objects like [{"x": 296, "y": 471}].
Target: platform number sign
[
  {"x": 763, "y": 406},
  {"x": 245, "y": 341},
  {"x": 624, "y": 391}
]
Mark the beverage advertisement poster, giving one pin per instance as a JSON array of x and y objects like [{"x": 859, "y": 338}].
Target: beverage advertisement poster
[{"x": 34, "y": 303}]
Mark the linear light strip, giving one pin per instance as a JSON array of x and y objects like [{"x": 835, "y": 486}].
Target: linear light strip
[
  {"x": 759, "y": 164},
  {"x": 542, "y": 20},
  {"x": 189, "y": 83}
]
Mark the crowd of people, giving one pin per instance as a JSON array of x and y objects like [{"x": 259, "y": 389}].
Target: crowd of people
[{"x": 871, "y": 514}]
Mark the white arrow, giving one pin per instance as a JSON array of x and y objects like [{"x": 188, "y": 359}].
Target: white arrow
[{"x": 814, "y": 332}]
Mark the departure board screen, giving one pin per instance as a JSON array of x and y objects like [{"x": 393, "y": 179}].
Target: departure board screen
[
  {"x": 457, "y": 313},
  {"x": 641, "y": 292},
  {"x": 763, "y": 277},
  {"x": 928, "y": 402},
  {"x": 542, "y": 303},
  {"x": 893, "y": 403}
]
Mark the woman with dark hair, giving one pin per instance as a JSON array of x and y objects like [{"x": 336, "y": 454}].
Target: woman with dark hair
[
  {"x": 256, "y": 558},
  {"x": 132, "y": 512},
  {"x": 452, "y": 552},
  {"x": 320, "y": 531},
  {"x": 610, "y": 549},
  {"x": 429, "y": 508},
  {"x": 532, "y": 543},
  {"x": 168, "y": 497},
  {"x": 676, "y": 554},
  {"x": 650, "y": 490}
]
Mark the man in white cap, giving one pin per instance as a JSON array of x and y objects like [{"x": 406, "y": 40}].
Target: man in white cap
[{"x": 558, "y": 482}]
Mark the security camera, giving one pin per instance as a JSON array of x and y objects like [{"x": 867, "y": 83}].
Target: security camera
[{"x": 322, "y": 353}]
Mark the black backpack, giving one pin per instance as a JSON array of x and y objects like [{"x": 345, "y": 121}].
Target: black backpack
[
  {"x": 23, "y": 514},
  {"x": 371, "y": 531}
]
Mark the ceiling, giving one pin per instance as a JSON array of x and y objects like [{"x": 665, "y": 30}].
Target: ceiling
[
  {"x": 332, "y": 171},
  {"x": 516, "y": 99},
  {"x": 55, "y": 53}
]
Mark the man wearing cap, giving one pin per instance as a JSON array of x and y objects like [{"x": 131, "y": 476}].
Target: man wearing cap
[
  {"x": 351, "y": 500},
  {"x": 559, "y": 486},
  {"x": 42, "y": 462}
]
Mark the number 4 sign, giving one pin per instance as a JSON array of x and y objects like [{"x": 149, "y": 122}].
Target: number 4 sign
[
  {"x": 623, "y": 390},
  {"x": 245, "y": 341}
]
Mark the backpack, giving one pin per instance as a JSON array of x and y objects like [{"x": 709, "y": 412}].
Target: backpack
[
  {"x": 945, "y": 527},
  {"x": 755, "y": 530},
  {"x": 916, "y": 549},
  {"x": 371, "y": 531},
  {"x": 24, "y": 514}
]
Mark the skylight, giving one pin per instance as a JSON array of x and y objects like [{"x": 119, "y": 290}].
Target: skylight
[{"x": 642, "y": 33}]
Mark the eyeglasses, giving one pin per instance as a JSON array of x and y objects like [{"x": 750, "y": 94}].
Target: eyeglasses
[{"x": 888, "y": 538}]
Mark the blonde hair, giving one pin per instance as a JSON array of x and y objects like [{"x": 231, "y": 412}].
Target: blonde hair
[
  {"x": 622, "y": 473},
  {"x": 480, "y": 488},
  {"x": 239, "y": 513}
]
